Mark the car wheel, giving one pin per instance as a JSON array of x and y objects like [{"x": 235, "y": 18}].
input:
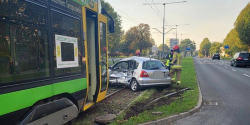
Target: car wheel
[
  {"x": 134, "y": 85},
  {"x": 231, "y": 64},
  {"x": 235, "y": 64}
]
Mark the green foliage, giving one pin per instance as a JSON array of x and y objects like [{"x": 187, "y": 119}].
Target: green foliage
[
  {"x": 137, "y": 37},
  {"x": 113, "y": 38},
  {"x": 185, "y": 44},
  {"x": 166, "y": 48},
  {"x": 215, "y": 47},
  {"x": 234, "y": 42},
  {"x": 204, "y": 47},
  {"x": 242, "y": 25}
]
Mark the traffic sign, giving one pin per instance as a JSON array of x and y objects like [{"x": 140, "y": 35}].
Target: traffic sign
[
  {"x": 226, "y": 46},
  {"x": 188, "y": 48}
]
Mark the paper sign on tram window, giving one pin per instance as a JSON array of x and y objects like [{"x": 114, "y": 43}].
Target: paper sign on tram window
[{"x": 66, "y": 51}]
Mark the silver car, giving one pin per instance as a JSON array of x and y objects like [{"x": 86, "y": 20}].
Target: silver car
[{"x": 137, "y": 72}]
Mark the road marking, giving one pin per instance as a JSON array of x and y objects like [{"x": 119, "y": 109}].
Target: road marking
[
  {"x": 225, "y": 66},
  {"x": 246, "y": 75},
  {"x": 233, "y": 69},
  {"x": 210, "y": 103}
]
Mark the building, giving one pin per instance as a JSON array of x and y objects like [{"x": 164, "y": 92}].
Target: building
[
  {"x": 155, "y": 50},
  {"x": 172, "y": 42}
]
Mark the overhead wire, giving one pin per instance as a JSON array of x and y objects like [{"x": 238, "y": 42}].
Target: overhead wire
[
  {"x": 161, "y": 17},
  {"x": 131, "y": 19}
]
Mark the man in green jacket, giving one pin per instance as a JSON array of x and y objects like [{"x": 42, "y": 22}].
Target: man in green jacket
[{"x": 169, "y": 58}]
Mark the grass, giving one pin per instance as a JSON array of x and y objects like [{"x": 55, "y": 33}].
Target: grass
[
  {"x": 189, "y": 99},
  {"x": 226, "y": 58},
  {"x": 111, "y": 62}
]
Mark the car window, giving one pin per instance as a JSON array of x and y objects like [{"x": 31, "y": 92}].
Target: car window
[
  {"x": 121, "y": 65},
  {"x": 133, "y": 64},
  {"x": 150, "y": 65},
  {"x": 245, "y": 55}
]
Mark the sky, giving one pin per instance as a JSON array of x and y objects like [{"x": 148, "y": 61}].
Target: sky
[{"x": 206, "y": 18}]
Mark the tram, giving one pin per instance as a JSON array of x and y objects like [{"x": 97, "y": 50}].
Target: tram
[{"x": 53, "y": 59}]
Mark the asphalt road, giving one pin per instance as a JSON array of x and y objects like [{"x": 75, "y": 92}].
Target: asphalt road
[{"x": 226, "y": 92}]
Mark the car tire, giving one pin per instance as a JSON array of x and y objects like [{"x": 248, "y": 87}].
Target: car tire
[
  {"x": 235, "y": 64},
  {"x": 134, "y": 85},
  {"x": 231, "y": 64}
]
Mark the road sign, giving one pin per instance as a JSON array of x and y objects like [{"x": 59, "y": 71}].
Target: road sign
[
  {"x": 226, "y": 46},
  {"x": 188, "y": 48}
]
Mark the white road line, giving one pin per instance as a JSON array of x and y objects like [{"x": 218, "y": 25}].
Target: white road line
[
  {"x": 246, "y": 75},
  {"x": 234, "y": 70},
  {"x": 225, "y": 66}
]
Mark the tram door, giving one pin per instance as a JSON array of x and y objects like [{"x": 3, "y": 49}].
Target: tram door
[
  {"x": 92, "y": 51},
  {"x": 103, "y": 58},
  {"x": 97, "y": 66}
]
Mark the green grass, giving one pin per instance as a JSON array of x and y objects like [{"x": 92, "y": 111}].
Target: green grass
[
  {"x": 111, "y": 62},
  {"x": 189, "y": 99},
  {"x": 226, "y": 58}
]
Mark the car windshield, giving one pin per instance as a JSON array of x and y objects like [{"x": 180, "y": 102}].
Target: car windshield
[
  {"x": 245, "y": 55},
  {"x": 152, "y": 65}
]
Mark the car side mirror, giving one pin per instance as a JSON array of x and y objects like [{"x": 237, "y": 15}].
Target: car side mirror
[
  {"x": 111, "y": 26},
  {"x": 110, "y": 67}
]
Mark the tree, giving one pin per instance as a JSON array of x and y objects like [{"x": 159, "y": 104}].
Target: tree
[
  {"x": 114, "y": 39},
  {"x": 166, "y": 48},
  {"x": 204, "y": 47},
  {"x": 139, "y": 37},
  {"x": 242, "y": 25},
  {"x": 234, "y": 43},
  {"x": 187, "y": 43},
  {"x": 215, "y": 47},
  {"x": 143, "y": 37}
]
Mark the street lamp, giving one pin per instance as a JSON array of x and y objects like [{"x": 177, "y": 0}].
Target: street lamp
[
  {"x": 163, "y": 38},
  {"x": 164, "y": 17},
  {"x": 176, "y": 28}
]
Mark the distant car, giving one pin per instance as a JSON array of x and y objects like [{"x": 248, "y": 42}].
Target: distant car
[
  {"x": 136, "y": 72},
  {"x": 216, "y": 56},
  {"x": 241, "y": 59}
]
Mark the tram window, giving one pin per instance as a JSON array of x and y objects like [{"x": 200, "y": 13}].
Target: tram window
[
  {"x": 19, "y": 11},
  {"x": 68, "y": 54},
  {"x": 23, "y": 53}
]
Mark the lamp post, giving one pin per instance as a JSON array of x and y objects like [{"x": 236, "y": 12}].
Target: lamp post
[
  {"x": 176, "y": 28},
  {"x": 164, "y": 18},
  {"x": 163, "y": 38}
]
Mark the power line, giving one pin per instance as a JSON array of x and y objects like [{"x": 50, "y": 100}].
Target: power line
[
  {"x": 158, "y": 14},
  {"x": 127, "y": 15}
]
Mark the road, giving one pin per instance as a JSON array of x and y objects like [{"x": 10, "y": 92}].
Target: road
[{"x": 225, "y": 91}]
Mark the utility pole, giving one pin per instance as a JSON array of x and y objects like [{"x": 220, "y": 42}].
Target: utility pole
[
  {"x": 163, "y": 34},
  {"x": 176, "y": 28}
]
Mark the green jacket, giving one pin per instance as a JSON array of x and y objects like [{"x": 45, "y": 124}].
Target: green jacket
[{"x": 169, "y": 59}]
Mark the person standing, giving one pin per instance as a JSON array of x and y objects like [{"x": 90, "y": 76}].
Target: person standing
[
  {"x": 176, "y": 65},
  {"x": 169, "y": 58}
]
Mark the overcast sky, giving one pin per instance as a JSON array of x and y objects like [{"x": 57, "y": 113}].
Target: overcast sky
[{"x": 206, "y": 18}]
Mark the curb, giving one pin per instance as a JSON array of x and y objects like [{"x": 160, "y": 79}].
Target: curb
[{"x": 181, "y": 115}]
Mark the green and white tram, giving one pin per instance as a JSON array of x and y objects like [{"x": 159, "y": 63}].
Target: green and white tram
[{"x": 53, "y": 59}]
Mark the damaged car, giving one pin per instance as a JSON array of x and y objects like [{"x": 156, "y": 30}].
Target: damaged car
[{"x": 136, "y": 72}]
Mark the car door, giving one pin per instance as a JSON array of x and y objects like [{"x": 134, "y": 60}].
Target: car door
[{"x": 118, "y": 73}]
